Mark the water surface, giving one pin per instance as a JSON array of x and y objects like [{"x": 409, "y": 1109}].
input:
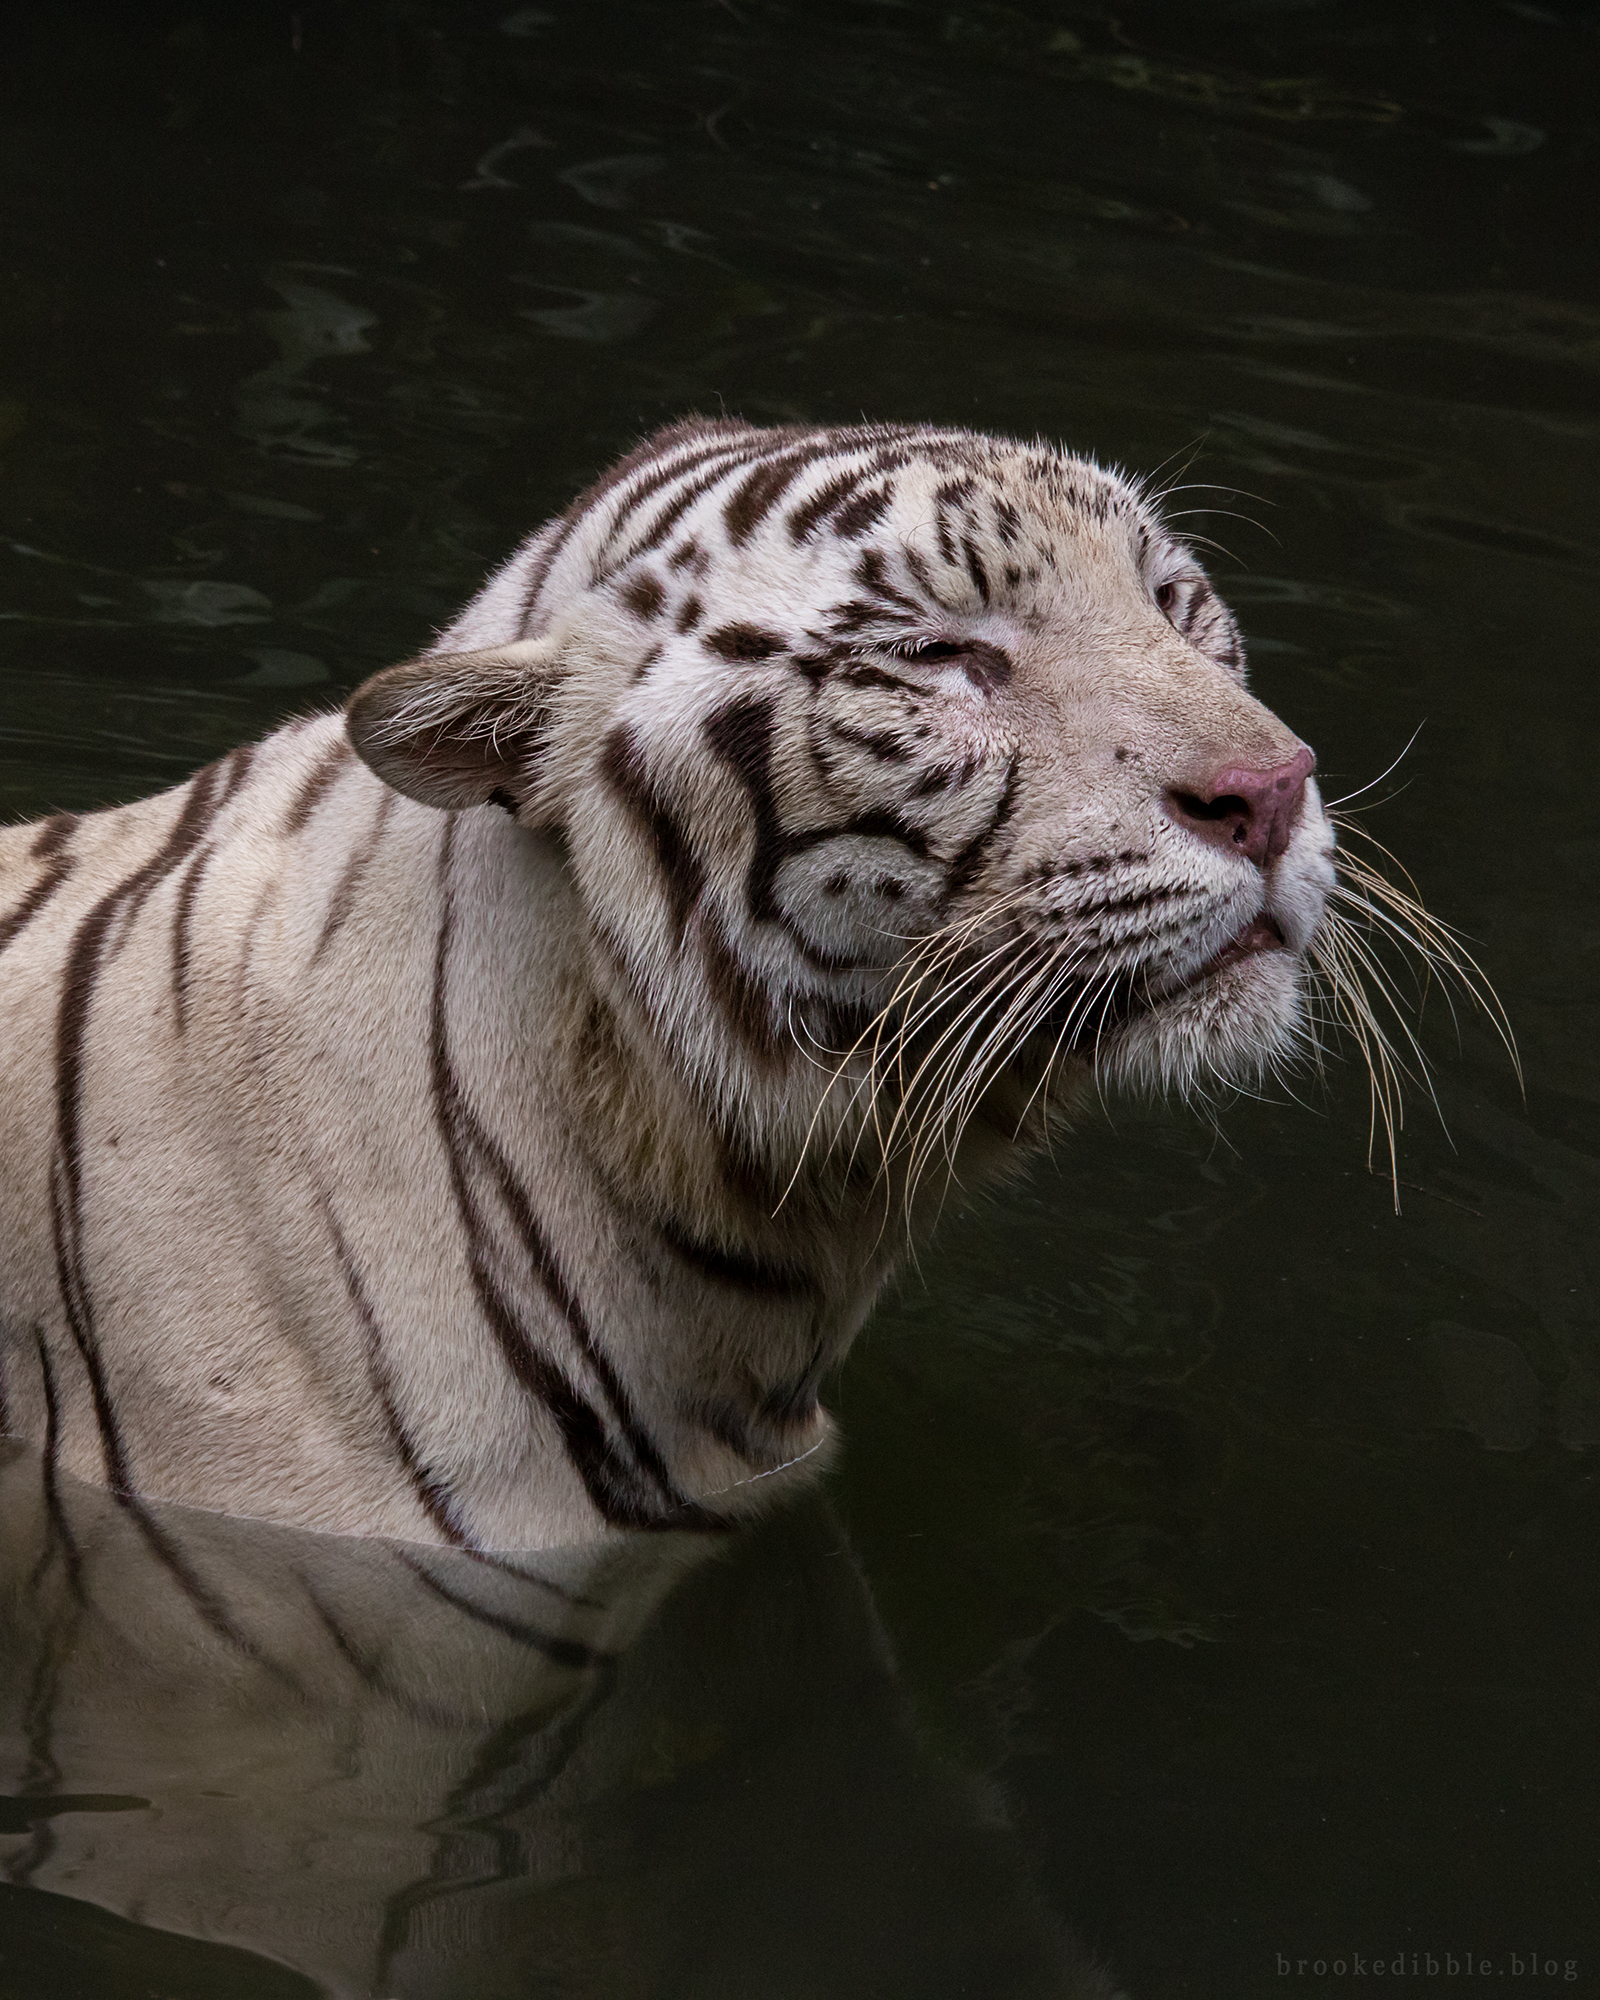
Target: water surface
[{"x": 1215, "y": 1546}]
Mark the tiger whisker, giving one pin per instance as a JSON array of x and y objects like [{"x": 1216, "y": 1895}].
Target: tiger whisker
[
  {"x": 1063, "y": 979},
  {"x": 1030, "y": 1007},
  {"x": 1222, "y": 549},
  {"x": 936, "y": 952},
  {"x": 1145, "y": 482},
  {"x": 1214, "y": 486},
  {"x": 952, "y": 1035},
  {"x": 929, "y": 948},
  {"x": 1330, "y": 806},
  {"x": 1329, "y": 954},
  {"x": 956, "y": 1106},
  {"x": 1229, "y": 513},
  {"x": 940, "y": 1098},
  {"x": 1443, "y": 947}
]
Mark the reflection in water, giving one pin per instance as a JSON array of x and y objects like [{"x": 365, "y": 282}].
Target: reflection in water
[
  {"x": 402, "y": 1771},
  {"x": 278, "y": 410},
  {"x": 1215, "y": 1393}
]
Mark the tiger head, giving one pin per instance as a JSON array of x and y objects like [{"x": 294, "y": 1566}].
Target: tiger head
[{"x": 891, "y": 768}]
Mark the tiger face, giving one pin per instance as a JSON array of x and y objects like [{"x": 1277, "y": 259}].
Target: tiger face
[{"x": 888, "y": 761}]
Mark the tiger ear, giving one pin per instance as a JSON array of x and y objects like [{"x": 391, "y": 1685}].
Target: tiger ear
[{"x": 457, "y": 729}]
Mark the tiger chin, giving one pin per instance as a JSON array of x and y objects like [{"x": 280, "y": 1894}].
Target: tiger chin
[{"x": 486, "y": 1116}]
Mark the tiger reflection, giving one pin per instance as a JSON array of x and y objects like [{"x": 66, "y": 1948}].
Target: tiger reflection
[{"x": 636, "y": 1768}]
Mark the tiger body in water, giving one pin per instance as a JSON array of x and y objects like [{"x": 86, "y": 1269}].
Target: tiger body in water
[{"x": 486, "y": 1116}]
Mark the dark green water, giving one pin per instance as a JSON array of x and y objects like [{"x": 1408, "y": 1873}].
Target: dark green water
[{"x": 1212, "y": 1566}]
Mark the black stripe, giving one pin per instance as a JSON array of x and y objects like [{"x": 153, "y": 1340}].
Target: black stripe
[
  {"x": 795, "y": 1402},
  {"x": 562, "y": 1651},
  {"x": 857, "y": 613},
  {"x": 623, "y": 765},
  {"x": 805, "y": 519},
  {"x": 816, "y": 667},
  {"x": 542, "y": 1259},
  {"x": 52, "y": 1489},
  {"x": 200, "y": 1595},
  {"x": 613, "y": 1485},
  {"x": 183, "y": 915},
  {"x": 433, "y": 1495},
  {"x": 503, "y": 1564},
  {"x": 941, "y": 522},
  {"x": 80, "y": 1319},
  {"x": 987, "y": 667},
  {"x": 728, "y": 1424},
  {"x": 882, "y": 743},
  {"x": 735, "y": 1267},
  {"x": 741, "y": 735},
  {"x": 343, "y": 899},
  {"x": 688, "y": 555},
  {"x": 660, "y": 460},
  {"x": 41, "y": 1774},
  {"x": 820, "y": 752},
  {"x": 917, "y": 563},
  {"x": 856, "y": 516},
  {"x": 872, "y": 573},
  {"x": 561, "y": 531},
  {"x": 744, "y": 642},
  {"x": 69, "y": 1277},
  {"x": 670, "y": 515},
  {"x": 964, "y": 868},
  {"x": 582, "y": 1433},
  {"x": 644, "y": 596},
  {"x": 310, "y": 795},
  {"x": 49, "y": 844},
  {"x": 365, "y": 1670},
  {"x": 756, "y": 497},
  {"x": 745, "y": 1003},
  {"x": 975, "y": 568},
  {"x": 369, "y": 1671},
  {"x": 945, "y": 777},
  {"x": 1196, "y": 600},
  {"x": 882, "y": 823},
  {"x": 638, "y": 990},
  {"x": 864, "y": 674},
  {"x": 785, "y": 1406},
  {"x": 209, "y": 792},
  {"x": 252, "y": 930}
]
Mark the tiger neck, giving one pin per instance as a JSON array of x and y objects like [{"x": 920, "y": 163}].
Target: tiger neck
[
  {"x": 708, "y": 1177},
  {"x": 729, "y": 1284}
]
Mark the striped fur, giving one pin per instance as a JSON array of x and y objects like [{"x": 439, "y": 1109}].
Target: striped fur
[{"x": 487, "y": 1117}]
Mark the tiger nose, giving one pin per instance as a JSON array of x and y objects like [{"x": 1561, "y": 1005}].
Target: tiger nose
[{"x": 1246, "y": 812}]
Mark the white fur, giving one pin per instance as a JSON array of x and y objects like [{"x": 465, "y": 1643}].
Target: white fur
[{"x": 442, "y": 1067}]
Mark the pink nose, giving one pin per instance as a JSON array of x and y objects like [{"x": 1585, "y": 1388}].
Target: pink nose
[{"x": 1251, "y": 813}]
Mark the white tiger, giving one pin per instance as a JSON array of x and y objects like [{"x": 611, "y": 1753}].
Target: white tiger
[{"x": 486, "y": 1117}]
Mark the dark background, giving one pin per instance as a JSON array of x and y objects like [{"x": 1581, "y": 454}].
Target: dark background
[{"x": 1236, "y": 1531}]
